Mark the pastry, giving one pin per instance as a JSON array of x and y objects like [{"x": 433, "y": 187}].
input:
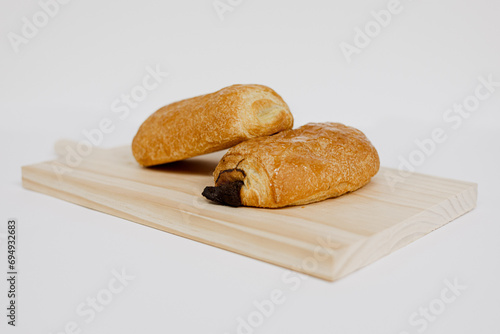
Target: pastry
[
  {"x": 294, "y": 167},
  {"x": 209, "y": 123}
]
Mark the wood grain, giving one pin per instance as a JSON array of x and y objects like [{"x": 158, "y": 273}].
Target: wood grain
[{"x": 329, "y": 239}]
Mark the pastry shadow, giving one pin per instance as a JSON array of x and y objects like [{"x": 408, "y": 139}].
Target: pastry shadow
[{"x": 193, "y": 166}]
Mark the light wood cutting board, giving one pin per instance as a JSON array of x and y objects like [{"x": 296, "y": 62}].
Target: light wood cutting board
[{"x": 329, "y": 239}]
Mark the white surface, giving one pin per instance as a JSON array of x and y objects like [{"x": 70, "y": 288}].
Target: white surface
[{"x": 396, "y": 90}]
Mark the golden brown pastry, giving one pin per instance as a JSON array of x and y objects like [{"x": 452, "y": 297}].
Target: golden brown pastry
[
  {"x": 209, "y": 123},
  {"x": 309, "y": 164}
]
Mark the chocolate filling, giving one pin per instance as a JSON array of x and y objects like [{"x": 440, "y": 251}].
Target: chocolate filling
[{"x": 227, "y": 193}]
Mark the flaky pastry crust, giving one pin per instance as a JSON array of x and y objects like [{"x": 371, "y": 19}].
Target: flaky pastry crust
[
  {"x": 294, "y": 167},
  {"x": 209, "y": 123}
]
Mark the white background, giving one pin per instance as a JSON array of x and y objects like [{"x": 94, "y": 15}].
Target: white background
[{"x": 396, "y": 90}]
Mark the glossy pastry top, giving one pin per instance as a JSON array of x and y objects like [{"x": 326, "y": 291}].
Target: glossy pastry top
[
  {"x": 313, "y": 162},
  {"x": 210, "y": 122}
]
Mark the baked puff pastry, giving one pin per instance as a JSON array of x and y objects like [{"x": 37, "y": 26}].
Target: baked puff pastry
[
  {"x": 294, "y": 167},
  {"x": 209, "y": 123}
]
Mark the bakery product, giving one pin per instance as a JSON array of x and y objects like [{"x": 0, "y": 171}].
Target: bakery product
[
  {"x": 209, "y": 123},
  {"x": 309, "y": 164}
]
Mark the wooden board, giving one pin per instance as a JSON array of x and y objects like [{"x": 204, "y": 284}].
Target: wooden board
[{"x": 329, "y": 239}]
